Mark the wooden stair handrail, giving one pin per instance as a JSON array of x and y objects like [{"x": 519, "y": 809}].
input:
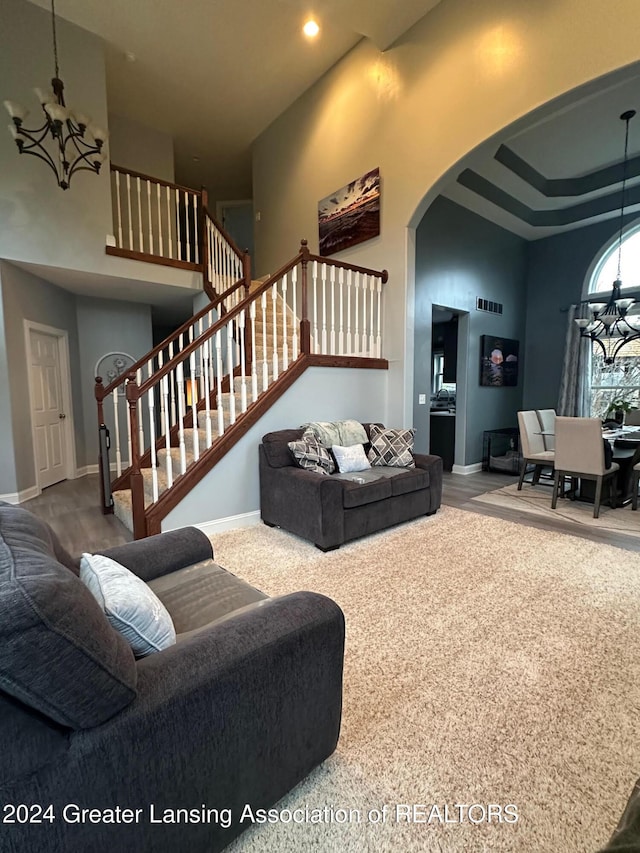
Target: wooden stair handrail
[
  {"x": 172, "y": 337},
  {"x": 217, "y": 326},
  {"x": 381, "y": 274},
  {"x": 160, "y": 181},
  {"x": 232, "y": 243}
]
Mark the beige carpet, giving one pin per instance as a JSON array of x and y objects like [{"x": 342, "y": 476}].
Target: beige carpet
[
  {"x": 536, "y": 500},
  {"x": 487, "y": 662}
]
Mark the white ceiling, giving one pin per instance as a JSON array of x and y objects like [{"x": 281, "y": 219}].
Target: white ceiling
[
  {"x": 582, "y": 135},
  {"x": 215, "y": 73}
]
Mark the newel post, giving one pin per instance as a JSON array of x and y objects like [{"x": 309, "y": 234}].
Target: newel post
[
  {"x": 99, "y": 395},
  {"x": 305, "y": 325},
  {"x": 136, "y": 482}
]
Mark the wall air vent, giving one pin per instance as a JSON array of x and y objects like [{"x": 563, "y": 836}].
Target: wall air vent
[{"x": 488, "y": 305}]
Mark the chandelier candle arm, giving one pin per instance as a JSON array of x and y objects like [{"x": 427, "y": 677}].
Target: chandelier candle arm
[
  {"x": 609, "y": 326},
  {"x": 76, "y": 144}
]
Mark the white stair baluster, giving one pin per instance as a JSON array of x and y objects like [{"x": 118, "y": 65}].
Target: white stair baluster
[
  {"x": 314, "y": 276},
  {"x": 341, "y": 312},
  {"x": 202, "y": 369},
  {"x": 173, "y": 388},
  {"x": 160, "y": 240},
  {"x": 232, "y": 399},
  {"x": 129, "y": 212},
  {"x": 243, "y": 369},
  {"x": 372, "y": 285},
  {"x": 150, "y": 221},
  {"x": 116, "y": 427},
  {"x": 194, "y": 200},
  {"x": 141, "y": 444},
  {"x": 349, "y": 282},
  {"x": 119, "y": 209},
  {"x": 140, "y": 240},
  {"x": 265, "y": 364},
  {"x": 254, "y": 361},
  {"x": 285, "y": 345},
  {"x": 356, "y": 318},
  {"x": 187, "y": 227},
  {"x": 178, "y": 240},
  {"x": 181, "y": 411},
  {"x": 294, "y": 317},
  {"x": 219, "y": 383},
  {"x": 152, "y": 442},
  {"x": 167, "y": 426},
  {"x": 193, "y": 383},
  {"x": 324, "y": 310},
  {"x": 379, "y": 321},
  {"x": 332, "y": 331},
  {"x": 162, "y": 413},
  {"x": 363, "y": 349},
  {"x": 169, "y": 226},
  {"x": 274, "y": 330},
  {"x": 207, "y": 393}
]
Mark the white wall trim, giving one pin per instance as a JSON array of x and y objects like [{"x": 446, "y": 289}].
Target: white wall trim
[
  {"x": 95, "y": 469},
  {"x": 21, "y": 497},
  {"x": 231, "y": 522},
  {"x": 467, "y": 469}
]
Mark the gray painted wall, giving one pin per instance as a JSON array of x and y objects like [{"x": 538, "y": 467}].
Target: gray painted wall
[
  {"x": 106, "y": 326},
  {"x": 557, "y": 270},
  {"x": 460, "y": 256},
  {"x": 140, "y": 148},
  {"x": 24, "y": 296},
  {"x": 320, "y": 394}
]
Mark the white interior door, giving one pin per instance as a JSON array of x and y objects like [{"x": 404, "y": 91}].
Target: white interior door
[{"x": 47, "y": 411}]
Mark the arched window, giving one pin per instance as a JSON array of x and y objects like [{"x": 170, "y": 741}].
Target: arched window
[{"x": 620, "y": 381}]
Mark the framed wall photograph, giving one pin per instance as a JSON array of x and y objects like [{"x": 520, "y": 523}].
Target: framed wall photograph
[
  {"x": 350, "y": 215},
  {"x": 498, "y": 362}
]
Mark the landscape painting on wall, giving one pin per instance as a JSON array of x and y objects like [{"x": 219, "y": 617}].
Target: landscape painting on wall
[
  {"x": 498, "y": 361},
  {"x": 350, "y": 215}
]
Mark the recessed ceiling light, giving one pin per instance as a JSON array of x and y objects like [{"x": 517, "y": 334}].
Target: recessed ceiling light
[
  {"x": 130, "y": 57},
  {"x": 195, "y": 158},
  {"x": 311, "y": 29}
]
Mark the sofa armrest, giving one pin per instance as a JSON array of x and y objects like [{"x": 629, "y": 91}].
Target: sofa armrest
[
  {"x": 236, "y": 714},
  {"x": 307, "y": 504},
  {"x": 432, "y": 464},
  {"x": 164, "y": 553}
]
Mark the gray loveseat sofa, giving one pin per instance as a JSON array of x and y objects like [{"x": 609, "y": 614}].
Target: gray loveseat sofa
[
  {"x": 335, "y": 509},
  {"x": 236, "y": 713}
]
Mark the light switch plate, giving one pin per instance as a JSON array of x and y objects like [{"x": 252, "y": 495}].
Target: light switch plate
[{"x": 422, "y": 399}]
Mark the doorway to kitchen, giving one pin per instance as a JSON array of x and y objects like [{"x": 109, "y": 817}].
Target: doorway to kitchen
[{"x": 444, "y": 384}]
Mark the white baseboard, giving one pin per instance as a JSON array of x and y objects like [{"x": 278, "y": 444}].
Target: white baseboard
[
  {"x": 467, "y": 469},
  {"x": 95, "y": 469},
  {"x": 21, "y": 497},
  {"x": 219, "y": 525}
]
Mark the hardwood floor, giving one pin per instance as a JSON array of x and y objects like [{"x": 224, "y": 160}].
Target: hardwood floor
[
  {"x": 458, "y": 489},
  {"x": 72, "y": 508}
]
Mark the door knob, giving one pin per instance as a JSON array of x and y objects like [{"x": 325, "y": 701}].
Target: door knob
[{"x": 62, "y": 416}]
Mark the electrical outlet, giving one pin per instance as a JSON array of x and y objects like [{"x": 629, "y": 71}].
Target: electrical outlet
[
  {"x": 258, "y": 215},
  {"x": 422, "y": 399}
]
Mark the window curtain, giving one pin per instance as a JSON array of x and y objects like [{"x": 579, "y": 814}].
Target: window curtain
[{"x": 575, "y": 385}]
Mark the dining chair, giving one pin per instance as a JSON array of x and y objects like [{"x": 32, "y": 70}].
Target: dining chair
[
  {"x": 547, "y": 421},
  {"x": 635, "y": 477},
  {"x": 580, "y": 455},
  {"x": 532, "y": 447}
]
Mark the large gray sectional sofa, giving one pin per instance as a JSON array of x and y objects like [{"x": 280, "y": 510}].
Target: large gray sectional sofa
[
  {"x": 235, "y": 714},
  {"x": 331, "y": 510}
]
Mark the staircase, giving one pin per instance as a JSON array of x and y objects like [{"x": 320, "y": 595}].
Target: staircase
[{"x": 181, "y": 407}]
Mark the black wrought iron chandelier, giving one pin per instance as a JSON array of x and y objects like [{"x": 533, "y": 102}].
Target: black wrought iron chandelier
[
  {"x": 611, "y": 325},
  {"x": 76, "y": 144}
]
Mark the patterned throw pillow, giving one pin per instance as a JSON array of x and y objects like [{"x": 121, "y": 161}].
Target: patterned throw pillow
[
  {"x": 392, "y": 447},
  {"x": 309, "y": 454}
]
